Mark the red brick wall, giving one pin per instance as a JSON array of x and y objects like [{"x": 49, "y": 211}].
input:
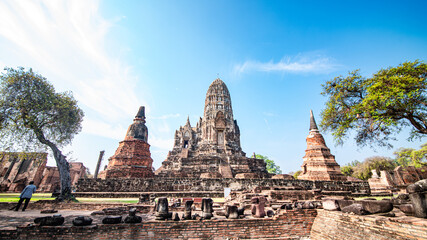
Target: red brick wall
[
  {"x": 338, "y": 225},
  {"x": 291, "y": 224}
]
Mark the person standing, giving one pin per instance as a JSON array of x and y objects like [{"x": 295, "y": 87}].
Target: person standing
[{"x": 26, "y": 195}]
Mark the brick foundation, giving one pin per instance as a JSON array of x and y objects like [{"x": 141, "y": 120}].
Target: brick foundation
[
  {"x": 338, "y": 225},
  {"x": 204, "y": 185},
  {"x": 295, "y": 224}
]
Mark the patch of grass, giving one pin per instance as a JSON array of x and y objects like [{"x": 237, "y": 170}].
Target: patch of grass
[
  {"x": 14, "y": 197},
  {"x": 108, "y": 200},
  {"x": 377, "y": 198}
]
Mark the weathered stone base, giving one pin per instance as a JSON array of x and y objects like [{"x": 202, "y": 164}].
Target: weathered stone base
[
  {"x": 151, "y": 195},
  {"x": 216, "y": 185},
  {"x": 292, "y": 224},
  {"x": 338, "y": 225}
]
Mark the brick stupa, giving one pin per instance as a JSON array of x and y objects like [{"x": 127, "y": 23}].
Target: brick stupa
[
  {"x": 132, "y": 158},
  {"x": 319, "y": 164}
]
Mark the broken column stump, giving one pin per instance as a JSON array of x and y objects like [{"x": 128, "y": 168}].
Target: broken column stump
[
  {"x": 207, "y": 208},
  {"x": 187, "y": 211},
  {"x": 258, "y": 205},
  {"x": 162, "y": 209}
]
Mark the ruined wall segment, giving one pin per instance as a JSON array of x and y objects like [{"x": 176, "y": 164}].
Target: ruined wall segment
[
  {"x": 319, "y": 163},
  {"x": 339, "y": 225},
  {"x": 398, "y": 180},
  {"x": 132, "y": 158},
  {"x": 212, "y": 148},
  {"x": 17, "y": 169}
]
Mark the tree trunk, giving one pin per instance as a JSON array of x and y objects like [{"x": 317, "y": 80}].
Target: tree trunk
[
  {"x": 63, "y": 167},
  {"x": 64, "y": 173}
]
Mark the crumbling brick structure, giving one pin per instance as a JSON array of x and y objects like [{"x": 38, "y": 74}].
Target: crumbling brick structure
[
  {"x": 51, "y": 179},
  {"x": 132, "y": 158},
  {"x": 396, "y": 180},
  {"x": 212, "y": 147},
  {"x": 18, "y": 169},
  {"x": 319, "y": 163}
]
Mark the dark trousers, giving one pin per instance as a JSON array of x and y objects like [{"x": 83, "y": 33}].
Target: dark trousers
[{"x": 27, "y": 200}]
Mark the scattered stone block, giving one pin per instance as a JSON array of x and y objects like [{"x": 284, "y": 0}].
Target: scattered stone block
[
  {"x": 49, "y": 211},
  {"x": 330, "y": 204},
  {"x": 112, "y": 220},
  {"x": 132, "y": 218},
  {"x": 418, "y": 195},
  {"x": 270, "y": 213},
  {"x": 355, "y": 208},
  {"x": 82, "y": 221},
  {"x": 408, "y": 209},
  {"x": 55, "y": 220},
  {"x": 374, "y": 206},
  {"x": 344, "y": 203}
]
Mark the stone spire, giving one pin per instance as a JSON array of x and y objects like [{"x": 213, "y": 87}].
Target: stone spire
[
  {"x": 141, "y": 113},
  {"x": 138, "y": 130},
  {"x": 313, "y": 125},
  {"x": 218, "y": 100},
  {"x": 218, "y": 126},
  {"x": 188, "y": 121}
]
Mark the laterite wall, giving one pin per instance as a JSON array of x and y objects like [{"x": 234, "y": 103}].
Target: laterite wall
[
  {"x": 338, "y": 225},
  {"x": 294, "y": 224}
]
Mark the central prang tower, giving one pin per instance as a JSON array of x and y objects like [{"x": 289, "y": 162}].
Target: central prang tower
[
  {"x": 219, "y": 130},
  {"x": 212, "y": 148}
]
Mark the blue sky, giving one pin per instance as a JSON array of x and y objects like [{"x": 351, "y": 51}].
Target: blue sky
[{"x": 273, "y": 55}]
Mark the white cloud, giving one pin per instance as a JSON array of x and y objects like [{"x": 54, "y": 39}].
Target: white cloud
[
  {"x": 65, "y": 41},
  {"x": 302, "y": 63},
  {"x": 163, "y": 144},
  {"x": 167, "y": 116}
]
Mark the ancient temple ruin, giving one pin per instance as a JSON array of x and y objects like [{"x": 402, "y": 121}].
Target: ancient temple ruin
[
  {"x": 17, "y": 169},
  {"x": 132, "y": 158},
  {"x": 319, "y": 163},
  {"x": 211, "y": 149}
]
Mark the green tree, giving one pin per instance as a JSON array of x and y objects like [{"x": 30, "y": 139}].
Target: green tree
[
  {"x": 364, "y": 170},
  {"x": 411, "y": 157},
  {"x": 33, "y": 115},
  {"x": 347, "y": 170},
  {"x": 297, "y": 173},
  {"x": 377, "y": 107},
  {"x": 270, "y": 165}
]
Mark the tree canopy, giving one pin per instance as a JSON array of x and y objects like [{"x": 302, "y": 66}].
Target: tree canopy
[
  {"x": 412, "y": 157},
  {"x": 378, "y": 107},
  {"x": 270, "y": 164},
  {"x": 404, "y": 157},
  {"x": 33, "y": 115}
]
